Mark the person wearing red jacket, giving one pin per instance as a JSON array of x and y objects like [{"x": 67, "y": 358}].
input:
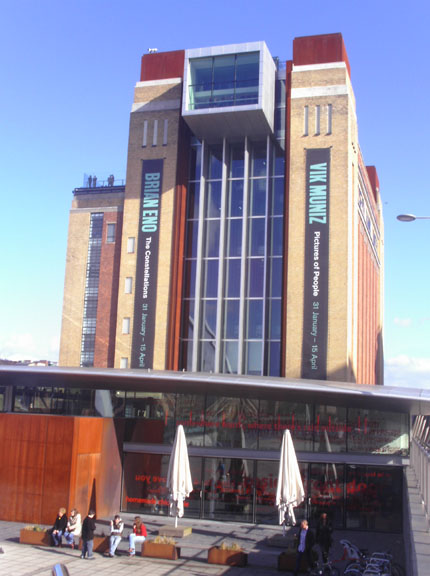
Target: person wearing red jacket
[{"x": 139, "y": 534}]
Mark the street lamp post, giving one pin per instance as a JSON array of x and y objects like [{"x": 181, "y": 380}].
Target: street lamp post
[{"x": 411, "y": 217}]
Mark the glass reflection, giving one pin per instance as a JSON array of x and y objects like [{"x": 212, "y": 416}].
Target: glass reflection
[
  {"x": 207, "y": 357},
  {"x": 234, "y": 238},
  {"x": 258, "y": 197},
  {"x": 254, "y": 357},
  {"x": 235, "y": 199},
  {"x": 215, "y": 163},
  {"x": 211, "y": 278},
  {"x": 327, "y": 492},
  {"x": 257, "y": 235},
  {"x": 213, "y": 208},
  {"x": 229, "y": 422},
  {"x": 237, "y": 161},
  {"x": 212, "y": 238},
  {"x": 233, "y": 278},
  {"x": 255, "y": 277},
  {"x": 188, "y": 323},
  {"x": 330, "y": 428},
  {"x": 228, "y": 489},
  {"x": 209, "y": 318},
  {"x": 278, "y": 193},
  {"x": 258, "y": 161},
  {"x": 190, "y": 412},
  {"x": 255, "y": 319},
  {"x": 277, "y": 236},
  {"x": 231, "y": 319},
  {"x": 277, "y": 416},
  {"x": 374, "y": 498},
  {"x": 377, "y": 432},
  {"x": 231, "y": 350}
]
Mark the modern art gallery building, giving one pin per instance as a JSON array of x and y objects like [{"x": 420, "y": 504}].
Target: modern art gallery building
[{"x": 234, "y": 286}]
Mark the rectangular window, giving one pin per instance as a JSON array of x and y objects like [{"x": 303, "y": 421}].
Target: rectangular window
[
  {"x": 317, "y": 120},
  {"x": 329, "y": 118},
  {"x": 111, "y": 229},
  {"x": 123, "y": 363},
  {"x": 165, "y": 132},
  {"x": 155, "y": 133},
  {"x": 145, "y": 133},
  {"x": 126, "y": 325},
  {"x": 130, "y": 244},
  {"x": 128, "y": 289},
  {"x": 306, "y": 121}
]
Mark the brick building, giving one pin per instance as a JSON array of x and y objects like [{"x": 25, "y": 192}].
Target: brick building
[{"x": 248, "y": 238}]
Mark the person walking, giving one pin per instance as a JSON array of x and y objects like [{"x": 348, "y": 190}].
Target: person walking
[
  {"x": 88, "y": 529},
  {"x": 324, "y": 536},
  {"x": 116, "y": 528},
  {"x": 139, "y": 534},
  {"x": 305, "y": 542}
]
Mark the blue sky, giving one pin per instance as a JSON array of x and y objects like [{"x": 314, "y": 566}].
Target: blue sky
[{"x": 68, "y": 70}]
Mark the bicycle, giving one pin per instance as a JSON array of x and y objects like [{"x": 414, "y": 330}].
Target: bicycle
[
  {"x": 363, "y": 564},
  {"x": 325, "y": 569}
]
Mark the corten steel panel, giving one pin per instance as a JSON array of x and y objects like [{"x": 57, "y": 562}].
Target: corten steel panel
[
  {"x": 43, "y": 470},
  {"x": 374, "y": 182},
  {"x": 104, "y": 351},
  {"x": 321, "y": 49},
  {"x": 162, "y": 65}
]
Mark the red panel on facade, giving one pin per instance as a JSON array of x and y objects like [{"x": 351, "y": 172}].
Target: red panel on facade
[
  {"x": 162, "y": 65},
  {"x": 374, "y": 181},
  {"x": 320, "y": 49}
]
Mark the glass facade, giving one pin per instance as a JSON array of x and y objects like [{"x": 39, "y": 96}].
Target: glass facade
[
  {"x": 233, "y": 261},
  {"x": 231, "y": 489},
  {"x": 225, "y": 80},
  {"x": 234, "y": 445}
]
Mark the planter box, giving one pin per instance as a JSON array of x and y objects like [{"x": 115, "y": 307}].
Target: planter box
[
  {"x": 34, "y": 537},
  {"x": 101, "y": 544},
  {"x": 152, "y": 549},
  {"x": 227, "y": 557},
  {"x": 287, "y": 562}
]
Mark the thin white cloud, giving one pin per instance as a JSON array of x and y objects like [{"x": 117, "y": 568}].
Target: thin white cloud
[
  {"x": 407, "y": 372},
  {"x": 404, "y": 322},
  {"x": 24, "y": 347}
]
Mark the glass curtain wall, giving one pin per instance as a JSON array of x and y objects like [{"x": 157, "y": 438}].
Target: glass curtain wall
[
  {"x": 234, "y": 256},
  {"x": 244, "y": 490}
]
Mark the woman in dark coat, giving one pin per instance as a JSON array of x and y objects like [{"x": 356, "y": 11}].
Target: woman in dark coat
[{"x": 59, "y": 527}]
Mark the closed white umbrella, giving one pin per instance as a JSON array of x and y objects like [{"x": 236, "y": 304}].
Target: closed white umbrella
[
  {"x": 290, "y": 492},
  {"x": 179, "y": 481}
]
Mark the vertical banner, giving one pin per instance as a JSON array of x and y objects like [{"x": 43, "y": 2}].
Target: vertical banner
[
  {"x": 315, "y": 312},
  {"x": 142, "y": 354}
]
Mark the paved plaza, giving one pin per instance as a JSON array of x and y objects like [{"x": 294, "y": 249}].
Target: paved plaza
[{"x": 263, "y": 544}]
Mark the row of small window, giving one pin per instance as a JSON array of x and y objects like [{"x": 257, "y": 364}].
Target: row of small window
[
  {"x": 317, "y": 119},
  {"x": 155, "y": 131}
]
